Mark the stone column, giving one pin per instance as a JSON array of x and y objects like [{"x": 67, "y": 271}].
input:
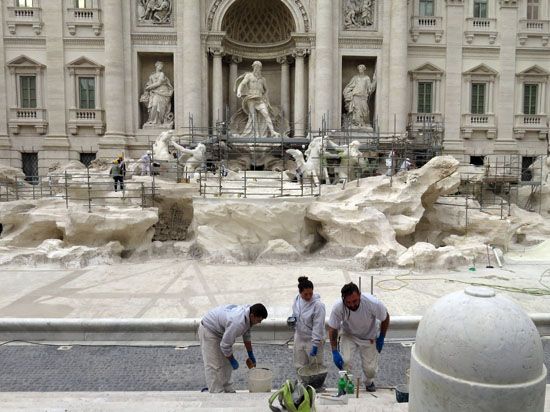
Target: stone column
[
  {"x": 217, "y": 86},
  {"x": 56, "y": 143},
  {"x": 299, "y": 93},
  {"x": 285, "y": 86},
  {"x": 233, "y": 74},
  {"x": 115, "y": 107},
  {"x": 455, "y": 87},
  {"x": 399, "y": 102},
  {"x": 4, "y": 138},
  {"x": 505, "y": 102},
  {"x": 192, "y": 62},
  {"x": 324, "y": 52}
]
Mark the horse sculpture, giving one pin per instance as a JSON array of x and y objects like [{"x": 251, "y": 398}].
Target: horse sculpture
[{"x": 312, "y": 167}]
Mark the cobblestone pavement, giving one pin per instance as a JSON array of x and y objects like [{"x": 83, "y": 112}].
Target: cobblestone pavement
[{"x": 123, "y": 368}]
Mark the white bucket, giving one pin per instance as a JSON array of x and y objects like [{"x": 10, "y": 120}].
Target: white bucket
[{"x": 260, "y": 379}]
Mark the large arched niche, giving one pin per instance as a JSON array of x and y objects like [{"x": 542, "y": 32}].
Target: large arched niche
[{"x": 296, "y": 8}]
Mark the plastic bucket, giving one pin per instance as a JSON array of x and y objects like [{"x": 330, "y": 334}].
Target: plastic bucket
[
  {"x": 260, "y": 379},
  {"x": 402, "y": 393}
]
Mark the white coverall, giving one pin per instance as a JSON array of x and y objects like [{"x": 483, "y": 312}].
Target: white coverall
[
  {"x": 145, "y": 164},
  {"x": 218, "y": 331},
  {"x": 310, "y": 329},
  {"x": 358, "y": 332}
]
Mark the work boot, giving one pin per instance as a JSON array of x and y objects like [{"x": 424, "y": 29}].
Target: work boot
[{"x": 371, "y": 387}]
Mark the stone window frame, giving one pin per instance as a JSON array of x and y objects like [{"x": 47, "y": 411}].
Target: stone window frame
[
  {"x": 25, "y": 66},
  {"x": 84, "y": 67},
  {"x": 480, "y": 74},
  {"x": 427, "y": 73},
  {"x": 416, "y": 11},
  {"x": 533, "y": 75}
]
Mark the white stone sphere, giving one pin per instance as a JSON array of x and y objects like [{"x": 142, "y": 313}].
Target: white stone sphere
[{"x": 477, "y": 351}]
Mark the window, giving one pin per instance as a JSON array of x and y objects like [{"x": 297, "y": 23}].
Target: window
[
  {"x": 480, "y": 9},
  {"x": 477, "y": 160},
  {"x": 30, "y": 167},
  {"x": 426, "y": 8},
  {"x": 425, "y": 93},
  {"x": 24, "y": 3},
  {"x": 86, "y": 92},
  {"x": 530, "y": 92},
  {"x": 83, "y": 4},
  {"x": 478, "y": 98},
  {"x": 532, "y": 9},
  {"x": 27, "y": 92},
  {"x": 87, "y": 158}
]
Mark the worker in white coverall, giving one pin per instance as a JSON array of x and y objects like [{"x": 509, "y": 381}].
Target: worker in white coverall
[
  {"x": 357, "y": 315},
  {"x": 218, "y": 331},
  {"x": 145, "y": 161},
  {"x": 309, "y": 314}
]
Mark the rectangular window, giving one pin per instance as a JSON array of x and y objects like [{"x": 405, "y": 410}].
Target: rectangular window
[
  {"x": 87, "y": 158},
  {"x": 86, "y": 93},
  {"x": 478, "y": 98},
  {"x": 23, "y": 3},
  {"x": 30, "y": 167},
  {"x": 530, "y": 92},
  {"x": 82, "y": 4},
  {"x": 480, "y": 9},
  {"x": 425, "y": 93},
  {"x": 27, "y": 92},
  {"x": 532, "y": 9},
  {"x": 426, "y": 7}
]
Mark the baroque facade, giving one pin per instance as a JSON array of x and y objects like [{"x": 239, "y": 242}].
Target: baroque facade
[{"x": 86, "y": 78}]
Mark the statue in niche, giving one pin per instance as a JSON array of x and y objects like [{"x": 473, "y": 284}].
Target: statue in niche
[
  {"x": 158, "y": 98},
  {"x": 356, "y": 97},
  {"x": 155, "y": 11},
  {"x": 256, "y": 110},
  {"x": 358, "y": 14}
]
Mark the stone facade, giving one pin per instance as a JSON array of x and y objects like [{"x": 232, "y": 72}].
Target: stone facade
[{"x": 72, "y": 71}]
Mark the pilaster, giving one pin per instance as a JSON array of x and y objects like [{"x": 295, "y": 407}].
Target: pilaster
[
  {"x": 192, "y": 62},
  {"x": 324, "y": 60}
]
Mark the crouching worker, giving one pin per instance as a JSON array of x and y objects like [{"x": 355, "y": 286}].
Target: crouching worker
[
  {"x": 309, "y": 337},
  {"x": 356, "y": 315},
  {"x": 218, "y": 331}
]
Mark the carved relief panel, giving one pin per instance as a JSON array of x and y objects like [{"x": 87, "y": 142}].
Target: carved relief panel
[
  {"x": 155, "y": 12},
  {"x": 359, "y": 14}
]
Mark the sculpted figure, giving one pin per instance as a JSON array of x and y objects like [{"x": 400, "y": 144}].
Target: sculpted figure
[
  {"x": 158, "y": 94},
  {"x": 161, "y": 145},
  {"x": 358, "y": 14},
  {"x": 253, "y": 90},
  {"x": 195, "y": 158},
  {"x": 155, "y": 11},
  {"x": 356, "y": 96}
]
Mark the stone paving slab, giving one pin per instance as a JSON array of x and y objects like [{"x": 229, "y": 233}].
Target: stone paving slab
[{"x": 179, "y": 288}]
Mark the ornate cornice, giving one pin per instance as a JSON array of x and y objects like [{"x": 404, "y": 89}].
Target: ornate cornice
[
  {"x": 164, "y": 39},
  {"x": 216, "y": 4},
  {"x": 24, "y": 41},
  {"x": 360, "y": 42},
  {"x": 84, "y": 42}
]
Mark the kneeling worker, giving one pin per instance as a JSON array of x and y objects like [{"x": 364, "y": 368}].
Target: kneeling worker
[
  {"x": 356, "y": 314},
  {"x": 218, "y": 331}
]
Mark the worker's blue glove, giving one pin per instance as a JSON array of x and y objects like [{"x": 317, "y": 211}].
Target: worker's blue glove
[
  {"x": 234, "y": 363},
  {"x": 380, "y": 343},
  {"x": 251, "y": 357},
  {"x": 337, "y": 358},
  {"x": 313, "y": 351}
]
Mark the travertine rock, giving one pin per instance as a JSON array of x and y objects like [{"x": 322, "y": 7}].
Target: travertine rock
[
  {"x": 229, "y": 230},
  {"x": 29, "y": 223},
  {"x": 427, "y": 256},
  {"x": 9, "y": 175},
  {"x": 278, "y": 250},
  {"x": 376, "y": 256}
]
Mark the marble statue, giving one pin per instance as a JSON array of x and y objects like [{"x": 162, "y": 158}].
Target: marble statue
[
  {"x": 195, "y": 159},
  {"x": 162, "y": 144},
  {"x": 358, "y": 14},
  {"x": 155, "y": 11},
  {"x": 312, "y": 167},
  {"x": 252, "y": 88},
  {"x": 158, "y": 98},
  {"x": 356, "y": 96},
  {"x": 352, "y": 161}
]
